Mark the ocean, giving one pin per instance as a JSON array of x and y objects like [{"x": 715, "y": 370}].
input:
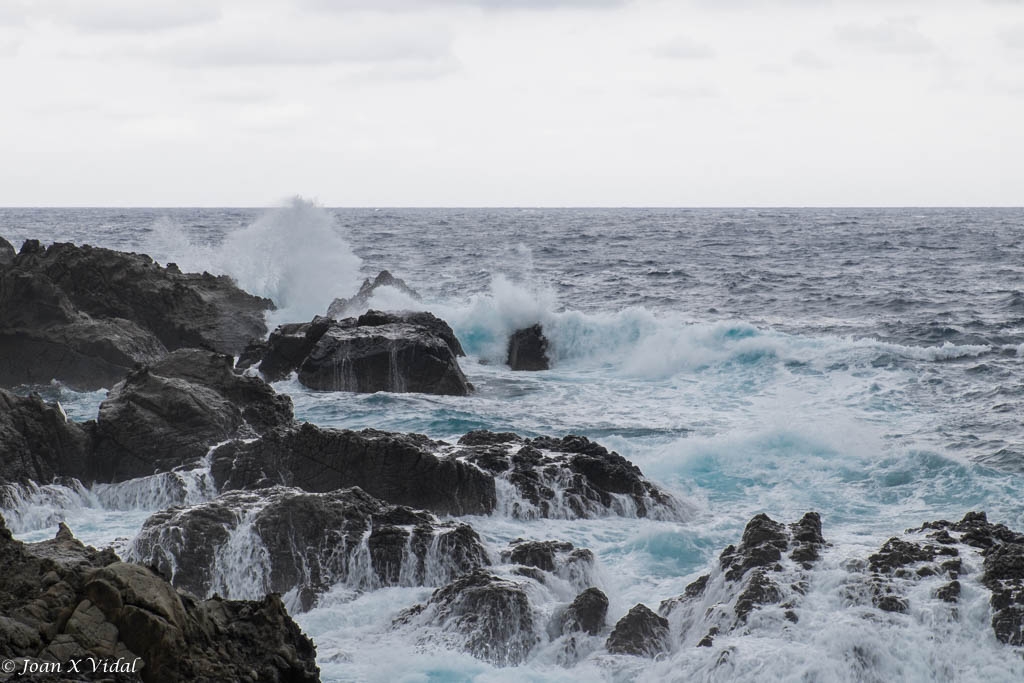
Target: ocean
[{"x": 867, "y": 364}]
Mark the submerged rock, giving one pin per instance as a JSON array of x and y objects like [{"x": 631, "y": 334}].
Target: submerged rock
[
  {"x": 528, "y": 349},
  {"x": 86, "y": 315},
  {"x": 62, "y": 600},
  {"x": 586, "y": 613},
  {"x": 491, "y": 617},
  {"x": 168, "y": 414},
  {"x": 281, "y": 539},
  {"x": 641, "y": 632},
  {"x": 404, "y": 469},
  {"x": 396, "y": 352},
  {"x": 340, "y": 308}
]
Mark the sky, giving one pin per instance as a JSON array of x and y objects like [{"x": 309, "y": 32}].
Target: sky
[{"x": 512, "y": 102}]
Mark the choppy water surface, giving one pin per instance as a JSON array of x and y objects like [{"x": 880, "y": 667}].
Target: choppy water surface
[{"x": 863, "y": 363}]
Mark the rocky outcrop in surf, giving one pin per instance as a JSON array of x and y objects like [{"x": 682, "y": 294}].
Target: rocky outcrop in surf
[
  {"x": 528, "y": 349},
  {"x": 570, "y": 477},
  {"x": 396, "y": 352},
  {"x": 63, "y": 601},
  {"x": 286, "y": 540},
  {"x": 566, "y": 478},
  {"x": 403, "y": 469},
  {"x": 340, "y": 308},
  {"x": 7, "y": 252},
  {"x": 167, "y": 415},
  {"x": 491, "y": 617},
  {"x": 86, "y": 315},
  {"x": 38, "y": 443}
]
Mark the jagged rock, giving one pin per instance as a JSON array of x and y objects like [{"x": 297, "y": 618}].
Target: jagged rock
[
  {"x": 169, "y": 414},
  {"x": 7, "y": 252},
  {"x": 404, "y": 469},
  {"x": 528, "y": 349},
  {"x": 294, "y": 540},
  {"x": 492, "y": 617},
  {"x": 641, "y": 632},
  {"x": 567, "y": 478},
  {"x": 586, "y": 613},
  {"x": 397, "y": 352},
  {"x": 764, "y": 541},
  {"x": 561, "y": 558},
  {"x": 37, "y": 441},
  {"x": 61, "y": 599},
  {"x": 340, "y": 308},
  {"x": 284, "y": 351},
  {"x": 87, "y": 315}
]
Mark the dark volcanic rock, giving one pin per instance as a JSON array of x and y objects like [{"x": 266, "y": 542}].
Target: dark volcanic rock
[
  {"x": 397, "y": 352},
  {"x": 285, "y": 350},
  {"x": 169, "y": 414},
  {"x": 61, "y": 600},
  {"x": 492, "y": 616},
  {"x": 586, "y": 613},
  {"x": 37, "y": 441},
  {"x": 641, "y": 632},
  {"x": 405, "y": 469},
  {"x": 567, "y": 478},
  {"x": 86, "y": 315},
  {"x": 575, "y": 565},
  {"x": 396, "y": 357},
  {"x": 306, "y": 541},
  {"x": 7, "y": 252},
  {"x": 340, "y": 308},
  {"x": 528, "y": 349}
]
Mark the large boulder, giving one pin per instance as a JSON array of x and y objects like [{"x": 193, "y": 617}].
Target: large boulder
[
  {"x": 38, "y": 443},
  {"x": 528, "y": 349},
  {"x": 641, "y": 632},
  {"x": 86, "y": 315},
  {"x": 490, "y": 617},
  {"x": 396, "y": 352},
  {"x": 308, "y": 542},
  {"x": 586, "y": 613},
  {"x": 404, "y": 469},
  {"x": 570, "y": 477},
  {"x": 61, "y": 600},
  {"x": 167, "y": 415},
  {"x": 340, "y": 308}
]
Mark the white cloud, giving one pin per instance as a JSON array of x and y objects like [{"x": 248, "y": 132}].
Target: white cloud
[
  {"x": 408, "y": 5},
  {"x": 810, "y": 60},
  {"x": 1013, "y": 37},
  {"x": 892, "y": 36},
  {"x": 261, "y": 48},
  {"x": 681, "y": 47},
  {"x": 127, "y": 16}
]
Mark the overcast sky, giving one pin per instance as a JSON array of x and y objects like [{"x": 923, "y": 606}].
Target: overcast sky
[{"x": 512, "y": 102}]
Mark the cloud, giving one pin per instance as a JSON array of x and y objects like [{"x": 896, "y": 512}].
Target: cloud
[
  {"x": 681, "y": 47},
  {"x": 128, "y": 16},
  {"x": 1013, "y": 37},
  {"x": 809, "y": 60},
  {"x": 253, "y": 48},
  {"x": 406, "y": 5},
  {"x": 893, "y": 36}
]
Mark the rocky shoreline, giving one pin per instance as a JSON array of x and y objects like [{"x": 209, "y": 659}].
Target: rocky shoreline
[{"x": 306, "y": 508}]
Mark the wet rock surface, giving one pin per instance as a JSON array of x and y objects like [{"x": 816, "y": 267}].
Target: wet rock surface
[
  {"x": 404, "y": 469},
  {"x": 570, "y": 477},
  {"x": 168, "y": 414},
  {"x": 641, "y": 632},
  {"x": 340, "y": 308},
  {"x": 395, "y": 352},
  {"x": 528, "y": 349},
  {"x": 586, "y": 613},
  {"x": 61, "y": 600},
  {"x": 286, "y": 539},
  {"x": 38, "y": 443},
  {"x": 491, "y": 616},
  {"x": 86, "y": 315}
]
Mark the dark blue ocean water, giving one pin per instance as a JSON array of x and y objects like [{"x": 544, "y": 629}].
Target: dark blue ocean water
[{"x": 865, "y": 363}]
